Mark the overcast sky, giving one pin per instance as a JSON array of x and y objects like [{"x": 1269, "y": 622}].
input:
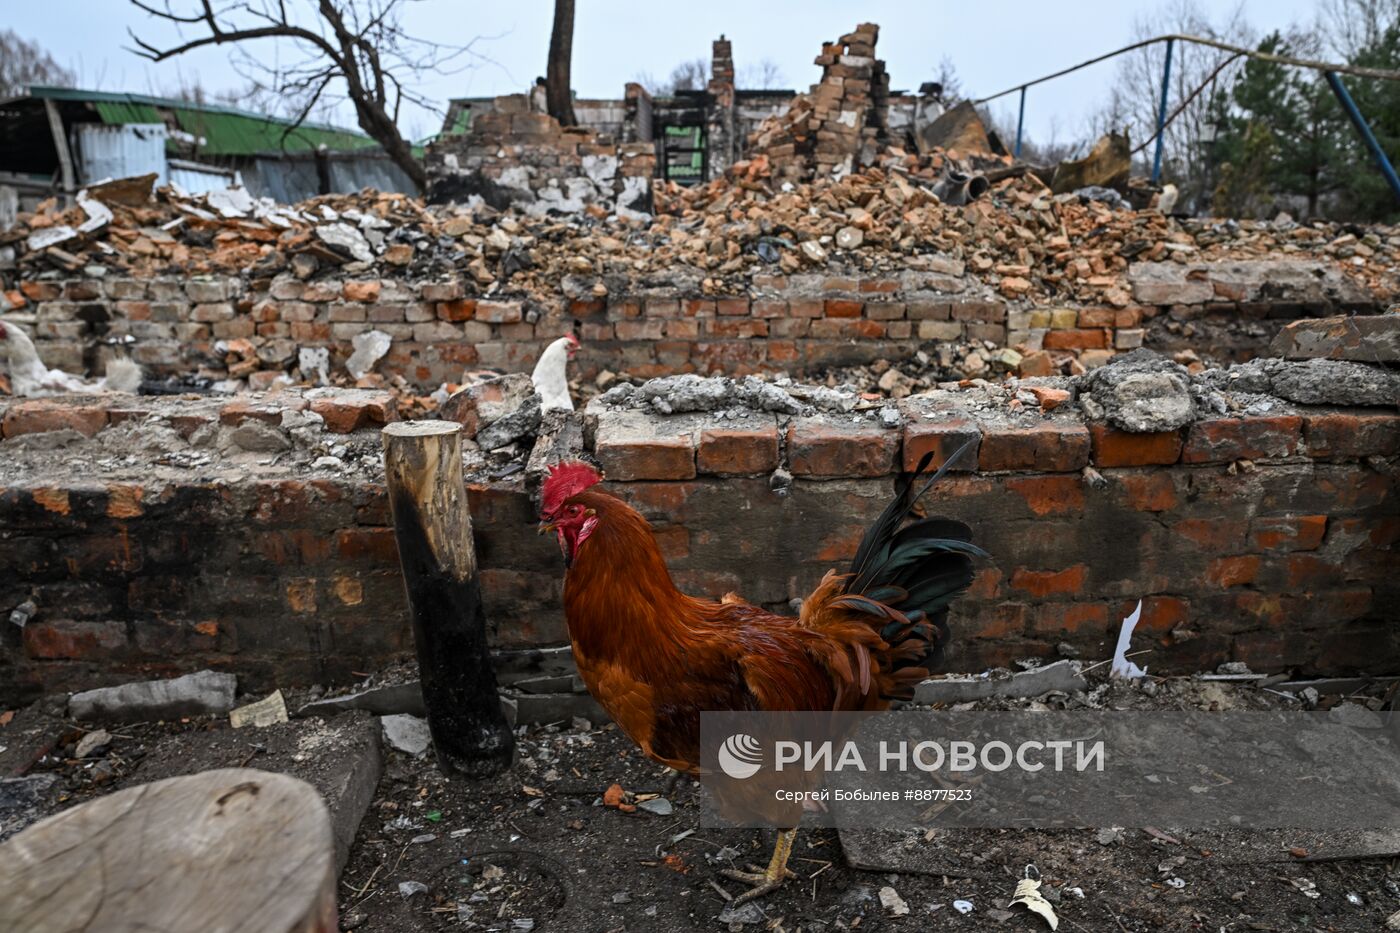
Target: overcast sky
[{"x": 993, "y": 44}]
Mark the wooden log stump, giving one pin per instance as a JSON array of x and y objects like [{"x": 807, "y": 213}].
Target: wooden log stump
[
  {"x": 232, "y": 850},
  {"x": 423, "y": 471}
]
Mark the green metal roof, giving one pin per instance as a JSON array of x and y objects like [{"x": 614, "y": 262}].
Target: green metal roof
[{"x": 227, "y": 131}]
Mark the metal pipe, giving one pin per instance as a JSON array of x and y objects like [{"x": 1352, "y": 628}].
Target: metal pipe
[
  {"x": 1383, "y": 73},
  {"x": 1020, "y": 122},
  {"x": 1162, "y": 112},
  {"x": 1362, "y": 127}
]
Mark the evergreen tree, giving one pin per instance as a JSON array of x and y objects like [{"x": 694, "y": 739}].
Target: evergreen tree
[{"x": 1365, "y": 193}]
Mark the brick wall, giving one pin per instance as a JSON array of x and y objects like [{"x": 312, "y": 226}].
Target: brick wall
[
  {"x": 1268, "y": 539},
  {"x": 783, "y": 323}
]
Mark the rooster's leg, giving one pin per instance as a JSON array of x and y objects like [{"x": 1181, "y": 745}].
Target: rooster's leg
[{"x": 773, "y": 878}]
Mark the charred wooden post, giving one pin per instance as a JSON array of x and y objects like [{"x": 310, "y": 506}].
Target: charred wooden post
[
  {"x": 423, "y": 471},
  {"x": 230, "y": 849}
]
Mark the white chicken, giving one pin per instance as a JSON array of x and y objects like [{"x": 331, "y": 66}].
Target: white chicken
[
  {"x": 30, "y": 377},
  {"x": 551, "y": 376}
]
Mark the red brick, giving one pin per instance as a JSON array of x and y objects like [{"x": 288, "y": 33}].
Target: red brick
[
  {"x": 69, "y": 639},
  {"x": 1351, "y": 435},
  {"x": 738, "y": 451},
  {"x": 769, "y": 309},
  {"x": 1149, "y": 492},
  {"x": 633, "y": 448},
  {"x": 1042, "y": 583},
  {"x": 361, "y": 291},
  {"x": 41, "y": 291},
  {"x": 1237, "y": 570},
  {"x": 1224, "y": 439},
  {"x": 942, "y": 438},
  {"x": 36, "y": 416},
  {"x": 1049, "y": 495},
  {"x": 1161, "y": 614},
  {"x": 441, "y": 291},
  {"x": 1096, "y": 317},
  {"x": 805, "y": 307},
  {"x": 991, "y": 312},
  {"x": 840, "y": 307},
  {"x": 1054, "y": 619},
  {"x": 663, "y": 307},
  {"x": 736, "y": 328},
  {"x": 927, "y": 310},
  {"x": 348, "y": 410},
  {"x": 884, "y": 310},
  {"x": 1288, "y": 533},
  {"x": 499, "y": 312},
  {"x": 270, "y": 412},
  {"x": 1213, "y": 534},
  {"x": 1114, "y": 448},
  {"x": 124, "y": 501},
  {"x": 463, "y": 309},
  {"x": 782, "y": 351},
  {"x": 1049, "y": 399},
  {"x": 1050, "y": 446},
  {"x": 1076, "y": 339},
  {"x": 879, "y": 286},
  {"x": 376, "y": 545},
  {"x": 697, "y": 307},
  {"x": 820, "y": 448},
  {"x": 732, "y": 307}
]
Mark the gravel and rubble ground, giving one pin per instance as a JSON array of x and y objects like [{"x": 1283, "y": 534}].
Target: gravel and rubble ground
[{"x": 551, "y": 846}]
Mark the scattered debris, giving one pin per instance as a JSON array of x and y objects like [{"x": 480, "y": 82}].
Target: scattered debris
[
  {"x": 93, "y": 742},
  {"x": 200, "y": 694},
  {"x": 1061, "y": 675},
  {"x": 892, "y": 903},
  {"x": 1121, "y": 666},
  {"x": 1028, "y": 895},
  {"x": 408, "y": 734},
  {"x": 370, "y": 348},
  {"x": 265, "y": 712}
]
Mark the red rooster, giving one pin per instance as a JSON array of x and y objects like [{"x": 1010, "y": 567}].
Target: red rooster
[{"x": 654, "y": 658}]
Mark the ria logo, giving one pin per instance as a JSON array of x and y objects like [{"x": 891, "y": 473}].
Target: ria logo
[{"x": 740, "y": 756}]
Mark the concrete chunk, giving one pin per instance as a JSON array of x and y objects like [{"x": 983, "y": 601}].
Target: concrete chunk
[
  {"x": 1062, "y": 675},
  {"x": 1369, "y": 339},
  {"x": 203, "y": 693}
]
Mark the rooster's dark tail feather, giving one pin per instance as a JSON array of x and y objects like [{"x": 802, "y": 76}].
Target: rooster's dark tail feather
[{"x": 906, "y": 575}]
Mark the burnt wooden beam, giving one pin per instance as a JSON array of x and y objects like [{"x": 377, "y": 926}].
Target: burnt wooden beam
[{"x": 423, "y": 472}]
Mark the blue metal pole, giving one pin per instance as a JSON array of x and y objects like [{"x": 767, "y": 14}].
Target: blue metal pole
[
  {"x": 1020, "y": 122},
  {"x": 1364, "y": 129},
  {"x": 1162, "y": 114}
]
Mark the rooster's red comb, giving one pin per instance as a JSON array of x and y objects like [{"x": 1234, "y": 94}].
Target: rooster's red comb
[{"x": 565, "y": 481}]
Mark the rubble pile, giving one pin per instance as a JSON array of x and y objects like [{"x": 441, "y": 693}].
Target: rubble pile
[
  {"x": 841, "y": 122},
  {"x": 1018, "y": 239}
]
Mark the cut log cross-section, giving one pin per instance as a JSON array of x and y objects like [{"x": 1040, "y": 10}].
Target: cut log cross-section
[{"x": 233, "y": 850}]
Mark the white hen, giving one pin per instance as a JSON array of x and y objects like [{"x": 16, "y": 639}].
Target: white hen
[
  {"x": 551, "y": 377},
  {"x": 30, "y": 377}
]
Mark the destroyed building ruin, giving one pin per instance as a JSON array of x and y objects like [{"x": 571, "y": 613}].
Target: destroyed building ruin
[{"x": 849, "y": 317}]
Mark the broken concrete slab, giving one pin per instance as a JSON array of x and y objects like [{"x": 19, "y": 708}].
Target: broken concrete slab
[
  {"x": 408, "y": 734},
  {"x": 524, "y": 421},
  {"x": 1365, "y": 339},
  {"x": 1064, "y": 676},
  {"x": 1140, "y": 392},
  {"x": 204, "y": 693},
  {"x": 386, "y": 700},
  {"x": 1310, "y": 382}
]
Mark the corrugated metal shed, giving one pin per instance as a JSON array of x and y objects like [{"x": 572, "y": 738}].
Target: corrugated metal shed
[
  {"x": 227, "y": 131},
  {"x": 120, "y": 151}
]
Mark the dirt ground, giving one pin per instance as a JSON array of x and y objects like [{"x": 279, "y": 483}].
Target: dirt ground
[{"x": 537, "y": 848}]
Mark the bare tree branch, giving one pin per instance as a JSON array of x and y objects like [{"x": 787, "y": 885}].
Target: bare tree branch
[{"x": 359, "y": 45}]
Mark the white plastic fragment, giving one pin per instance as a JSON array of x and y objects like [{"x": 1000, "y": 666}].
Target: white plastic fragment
[
  {"x": 963, "y": 907},
  {"x": 1122, "y": 667},
  {"x": 370, "y": 348},
  {"x": 1027, "y": 894}
]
